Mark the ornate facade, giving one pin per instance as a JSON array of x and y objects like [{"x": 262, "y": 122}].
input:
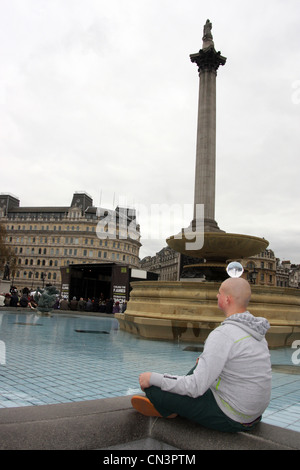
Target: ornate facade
[
  {"x": 288, "y": 275},
  {"x": 261, "y": 268},
  {"x": 165, "y": 263},
  {"x": 45, "y": 239}
]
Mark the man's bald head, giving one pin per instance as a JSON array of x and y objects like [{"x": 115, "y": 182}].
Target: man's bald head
[{"x": 234, "y": 295}]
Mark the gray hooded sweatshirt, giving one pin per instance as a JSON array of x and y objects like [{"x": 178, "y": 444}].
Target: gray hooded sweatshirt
[{"x": 235, "y": 365}]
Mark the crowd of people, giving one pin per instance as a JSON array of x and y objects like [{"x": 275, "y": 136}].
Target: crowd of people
[
  {"x": 18, "y": 299},
  {"x": 25, "y": 299},
  {"x": 93, "y": 304}
]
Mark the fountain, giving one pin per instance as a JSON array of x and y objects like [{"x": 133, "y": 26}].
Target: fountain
[
  {"x": 187, "y": 309},
  {"x": 45, "y": 299}
]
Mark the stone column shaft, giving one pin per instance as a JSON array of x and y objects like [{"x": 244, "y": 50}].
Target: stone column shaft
[{"x": 206, "y": 145}]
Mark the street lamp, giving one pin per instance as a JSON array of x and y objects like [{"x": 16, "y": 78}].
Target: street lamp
[{"x": 253, "y": 275}]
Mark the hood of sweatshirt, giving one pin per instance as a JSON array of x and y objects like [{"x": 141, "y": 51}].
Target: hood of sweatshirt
[{"x": 256, "y": 326}]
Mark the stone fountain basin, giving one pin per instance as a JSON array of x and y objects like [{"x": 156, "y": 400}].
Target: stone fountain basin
[
  {"x": 188, "y": 311},
  {"x": 218, "y": 246}
]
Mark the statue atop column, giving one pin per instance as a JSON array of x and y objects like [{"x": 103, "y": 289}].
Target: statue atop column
[
  {"x": 6, "y": 272},
  {"x": 208, "y": 58},
  {"x": 207, "y": 36}
]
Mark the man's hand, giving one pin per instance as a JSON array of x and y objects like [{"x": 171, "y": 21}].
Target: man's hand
[{"x": 144, "y": 380}]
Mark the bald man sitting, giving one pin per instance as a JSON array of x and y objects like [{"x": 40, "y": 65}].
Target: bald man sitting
[{"x": 230, "y": 386}]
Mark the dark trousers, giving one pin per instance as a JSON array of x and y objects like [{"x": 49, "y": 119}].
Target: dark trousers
[{"x": 203, "y": 410}]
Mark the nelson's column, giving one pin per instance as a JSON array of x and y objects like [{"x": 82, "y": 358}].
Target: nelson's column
[{"x": 208, "y": 62}]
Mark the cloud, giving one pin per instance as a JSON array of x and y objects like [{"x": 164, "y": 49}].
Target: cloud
[{"x": 101, "y": 96}]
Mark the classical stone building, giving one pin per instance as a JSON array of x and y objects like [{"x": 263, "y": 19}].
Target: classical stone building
[
  {"x": 283, "y": 273},
  {"x": 265, "y": 269},
  {"x": 287, "y": 274},
  {"x": 45, "y": 239},
  {"x": 165, "y": 263},
  {"x": 261, "y": 268},
  {"x": 294, "y": 276}
]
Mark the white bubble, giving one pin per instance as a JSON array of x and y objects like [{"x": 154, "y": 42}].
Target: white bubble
[{"x": 234, "y": 269}]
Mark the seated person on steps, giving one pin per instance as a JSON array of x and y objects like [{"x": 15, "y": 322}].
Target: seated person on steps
[{"x": 230, "y": 386}]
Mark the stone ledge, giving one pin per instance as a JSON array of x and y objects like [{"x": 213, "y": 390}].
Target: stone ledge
[{"x": 99, "y": 424}]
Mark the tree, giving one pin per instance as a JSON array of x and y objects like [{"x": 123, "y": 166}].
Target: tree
[{"x": 8, "y": 259}]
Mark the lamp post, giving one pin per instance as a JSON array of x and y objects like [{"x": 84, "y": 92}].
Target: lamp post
[{"x": 253, "y": 275}]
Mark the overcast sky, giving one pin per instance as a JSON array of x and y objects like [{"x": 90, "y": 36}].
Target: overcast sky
[{"x": 101, "y": 96}]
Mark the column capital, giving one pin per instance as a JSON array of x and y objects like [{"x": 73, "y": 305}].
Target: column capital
[{"x": 208, "y": 59}]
